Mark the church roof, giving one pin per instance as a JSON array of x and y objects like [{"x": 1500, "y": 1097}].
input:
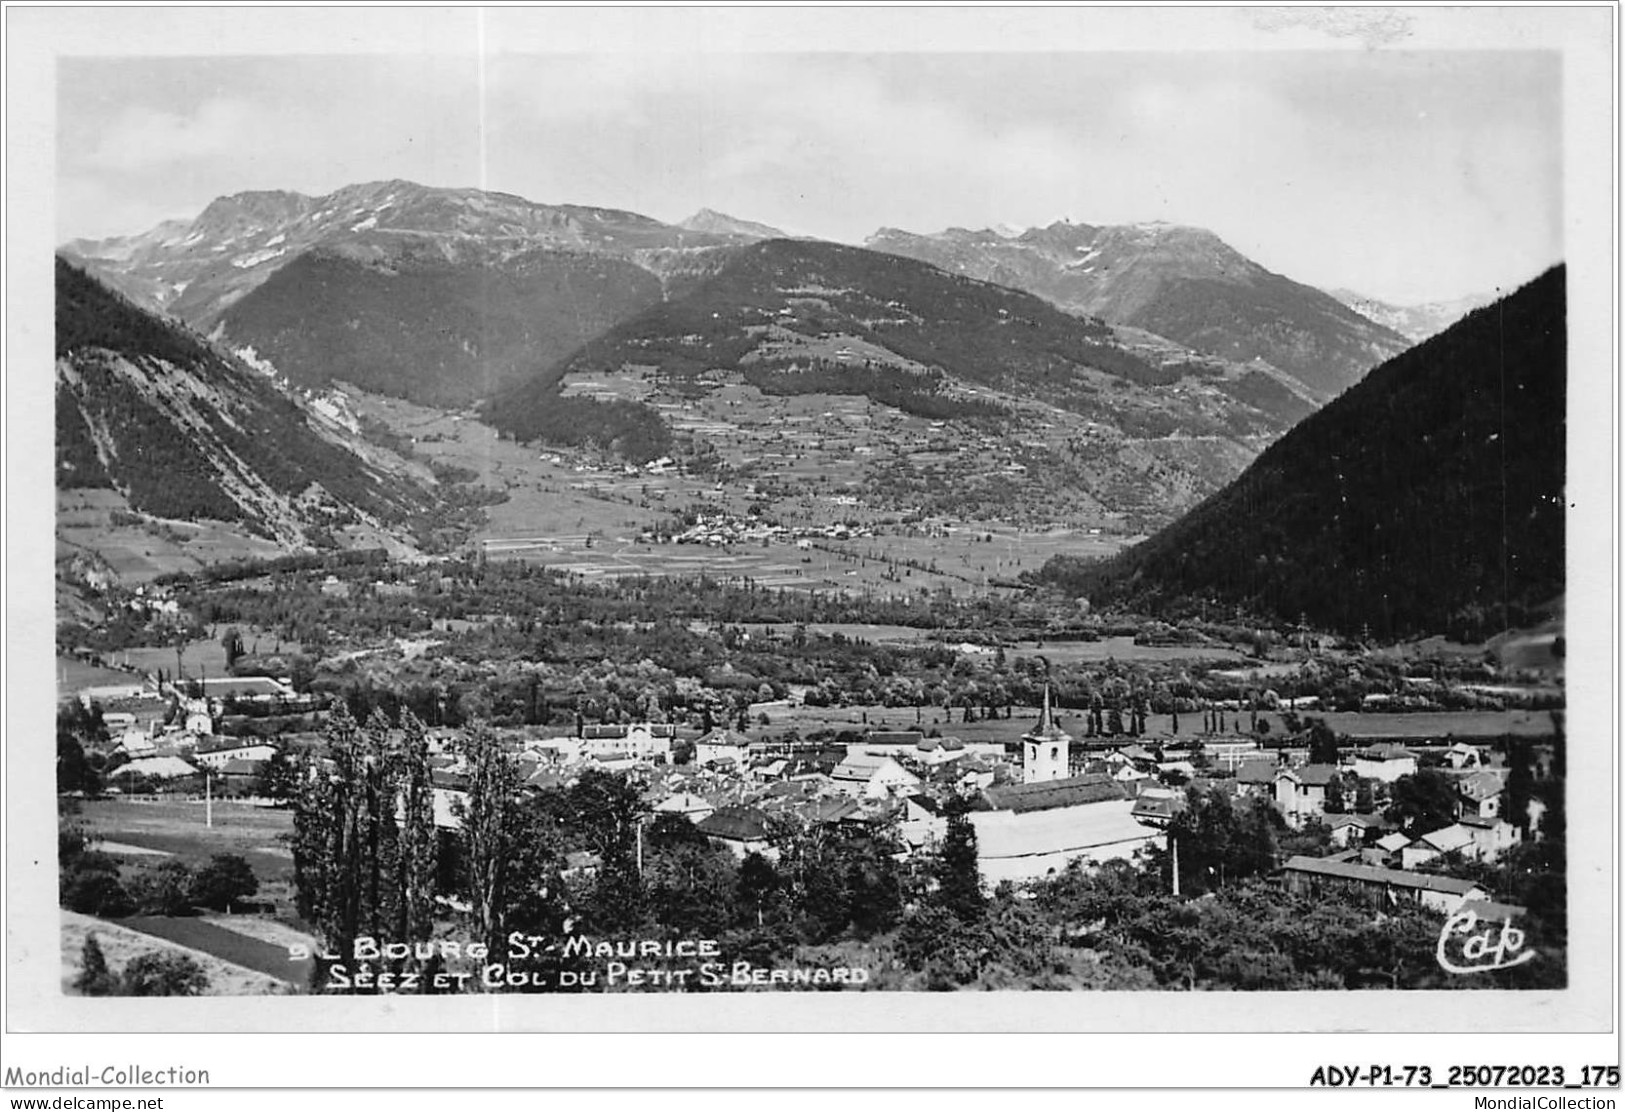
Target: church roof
[
  {"x": 1073, "y": 791},
  {"x": 1046, "y": 730}
]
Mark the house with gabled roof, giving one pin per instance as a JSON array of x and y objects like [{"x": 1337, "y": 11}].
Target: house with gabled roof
[
  {"x": 1158, "y": 806},
  {"x": 872, "y": 775},
  {"x": 558, "y": 750},
  {"x": 769, "y": 770},
  {"x": 1481, "y": 792},
  {"x": 1392, "y": 844},
  {"x": 154, "y": 768},
  {"x": 694, "y": 808},
  {"x": 1454, "y": 840},
  {"x": 1352, "y": 830},
  {"x": 1256, "y": 777},
  {"x": 932, "y": 751},
  {"x": 1131, "y": 775},
  {"x": 743, "y": 830},
  {"x": 135, "y": 743},
  {"x": 615, "y": 761},
  {"x": 241, "y": 775},
  {"x": 1136, "y": 754},
  {"x": 829, "y": 811},
  {"x": 722, "y": 745},
  {"x": 1385, "y": 761},
  {"x": 1463, "y": 756},
  {"x": 1300, "y": 793},
  {"x": 1492, "y": 837}
]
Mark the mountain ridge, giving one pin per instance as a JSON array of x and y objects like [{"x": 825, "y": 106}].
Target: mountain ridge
[
  {"x": 1417, "y": 321},
  {"x": 1179, "y": 281},
  {"x": 720, "y": 223},
  {"x": 1435, "y": 487},
  {"x": 790, "y": 318},
  {"x": 488, "y": 285}
]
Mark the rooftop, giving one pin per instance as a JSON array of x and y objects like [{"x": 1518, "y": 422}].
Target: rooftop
[
  {"x": 724, "y": 737},
  {"x": 1372, "y": 874},
  {"x": 861, "y": 766},
  {"x": 1481, "y": 785},
  {"x": 1074, "y": 791},
  {"x": 1256, "y": 772},
  {"x": 1313, "y": 775},
  {"x": 739, "y": 824},
  {"x": 1385, "y": 751}
]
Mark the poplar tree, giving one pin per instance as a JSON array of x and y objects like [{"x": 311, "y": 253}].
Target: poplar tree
[
  {"x": 324, "y": 836},
  {"x": 488, "y": 821},
  {"x": 417, "y": 839}
]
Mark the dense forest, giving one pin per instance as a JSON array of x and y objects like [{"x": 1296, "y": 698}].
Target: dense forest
[
  {"x": 187, "y": 431},
  {"x": 922, "y": 395},
  {"x": 537, "y": 411},
  {"x": 1302, "y": 330},
  {"x": 1427, "y": 499},
  {"x": 432, "y": 331}
]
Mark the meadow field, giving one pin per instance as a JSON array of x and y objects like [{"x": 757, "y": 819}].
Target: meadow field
[
  {"x": 808, "y": 459},
  {"x": 254, "y": 942},
  {"x": 177, "y": 828},
  {"x": 138, "y": 551}
]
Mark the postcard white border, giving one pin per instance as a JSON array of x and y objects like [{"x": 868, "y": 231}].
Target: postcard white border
[{"x": 1586, "y": 37}]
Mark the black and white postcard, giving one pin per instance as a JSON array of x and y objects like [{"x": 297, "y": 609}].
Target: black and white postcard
[{"x": 735, "y": 520}]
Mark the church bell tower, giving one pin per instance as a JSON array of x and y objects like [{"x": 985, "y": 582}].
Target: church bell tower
[{"x": 1046, "y": 752}]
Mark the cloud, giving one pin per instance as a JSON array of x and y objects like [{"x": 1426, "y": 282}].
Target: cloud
[
  {"x": 1314, "y": 166},
  {"x": 141, "y": 138}
]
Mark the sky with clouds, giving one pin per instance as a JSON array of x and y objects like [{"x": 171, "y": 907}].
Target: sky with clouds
[{"x": 1408, "y": 175}]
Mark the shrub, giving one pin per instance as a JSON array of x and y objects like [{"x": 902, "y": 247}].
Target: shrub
[
  {"x": 164, "y": 889},
  {"x": 93, "y": 892},
  {"x": 95, "y": 979},
  {"x": 226, "y": 879},
  {"x": 156, "y": 973}
]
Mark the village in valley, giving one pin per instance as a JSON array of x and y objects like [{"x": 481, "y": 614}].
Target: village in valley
[{"x": 1322, "y": 771}]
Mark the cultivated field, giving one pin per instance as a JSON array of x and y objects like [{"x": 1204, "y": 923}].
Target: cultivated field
[
  {"x": 812, "y": 460},
  {"x": 1442, "y": 726},
  {"x": 74, "y": 675},
  {"x": 140, "y": 552},
  {"x": 206, "y": 656}
]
